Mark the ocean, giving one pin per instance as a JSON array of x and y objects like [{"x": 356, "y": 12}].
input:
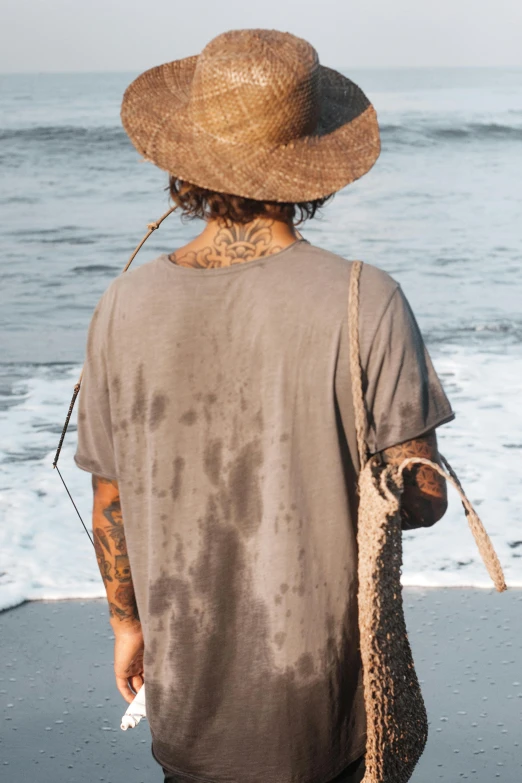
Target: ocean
[{"x": 440, "y": 211}]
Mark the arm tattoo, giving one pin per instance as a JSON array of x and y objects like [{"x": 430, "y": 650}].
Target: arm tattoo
[
  {"x": 424, "y": 498},
  {"x": 103, "y": 564},
  {"x": 231, "y": 245},
  {"x": 111, "y": 550},
  {"x": 113, "y": 515},
  {"x": 126, "y": 601}
]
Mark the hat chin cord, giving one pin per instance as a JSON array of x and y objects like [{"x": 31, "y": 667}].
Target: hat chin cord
[{"x": 151, "y": 228}]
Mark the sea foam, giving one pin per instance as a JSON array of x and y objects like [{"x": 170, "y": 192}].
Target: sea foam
[{"x": 45, "y": 553}]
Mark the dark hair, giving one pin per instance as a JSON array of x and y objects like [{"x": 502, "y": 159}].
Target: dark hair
[{"x": 196, "y": 202}]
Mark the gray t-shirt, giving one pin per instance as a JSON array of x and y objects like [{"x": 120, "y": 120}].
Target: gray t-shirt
[{"x": 220, "y": 399}]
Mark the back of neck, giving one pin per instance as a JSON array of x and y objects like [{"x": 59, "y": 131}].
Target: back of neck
[{"x": 223, "y": 245}]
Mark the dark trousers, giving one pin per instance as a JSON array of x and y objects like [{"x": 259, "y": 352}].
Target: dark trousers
[{"x": 354, "y": 773}]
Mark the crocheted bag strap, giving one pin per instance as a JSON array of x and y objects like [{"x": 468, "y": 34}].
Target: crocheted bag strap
[
  {"x": 355, "y": 362},
  {"x": 485, "y": 547}
]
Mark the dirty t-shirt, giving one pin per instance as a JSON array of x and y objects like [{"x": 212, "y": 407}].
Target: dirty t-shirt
[{"x": 220, "y": 400}]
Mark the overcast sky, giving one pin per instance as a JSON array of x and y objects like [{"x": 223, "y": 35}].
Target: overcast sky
[{"x": 126, "y": 35}]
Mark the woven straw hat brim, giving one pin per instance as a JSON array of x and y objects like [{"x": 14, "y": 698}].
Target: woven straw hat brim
[{"x": 345, "y": 145}]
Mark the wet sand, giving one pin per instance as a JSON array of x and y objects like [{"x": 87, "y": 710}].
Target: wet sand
[{"x": 60, "y": 711}]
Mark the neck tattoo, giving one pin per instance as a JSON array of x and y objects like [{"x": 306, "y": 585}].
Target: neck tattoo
[{"x": 232, "y": 245}]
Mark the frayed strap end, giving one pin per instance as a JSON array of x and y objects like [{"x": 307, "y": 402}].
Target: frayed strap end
[{"x": 483, "y": 541}]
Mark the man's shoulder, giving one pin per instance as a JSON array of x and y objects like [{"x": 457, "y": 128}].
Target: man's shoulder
[
  {"x": 376, "y": 285},
  {"x": 136, "y": 279}
]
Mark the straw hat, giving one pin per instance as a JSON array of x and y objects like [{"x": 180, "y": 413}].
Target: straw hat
[{"x": 255, "y": 115}]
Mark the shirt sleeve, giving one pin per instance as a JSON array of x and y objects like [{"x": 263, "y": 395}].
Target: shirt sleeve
[
  {"x": 95, "y": 451},
  {"x": 404, "y": 396}
]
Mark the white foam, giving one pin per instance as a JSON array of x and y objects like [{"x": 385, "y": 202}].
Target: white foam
[
  {"x": 484, "y": 447},
  {"x": 45, "y": 553}
]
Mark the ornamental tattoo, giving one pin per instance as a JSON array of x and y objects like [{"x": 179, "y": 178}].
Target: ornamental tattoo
[{"x": 232, "y": 244}]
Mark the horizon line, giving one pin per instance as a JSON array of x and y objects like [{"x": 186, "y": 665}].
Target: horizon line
[{"x": 338, "y": 68}]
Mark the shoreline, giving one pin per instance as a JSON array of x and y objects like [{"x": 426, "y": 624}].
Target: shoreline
[
  {"x": 61, "y": 711},
  {"x": 14, "y": 603}
]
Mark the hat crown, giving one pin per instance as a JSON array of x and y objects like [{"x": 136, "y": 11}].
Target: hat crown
[{"x": 256, "y": 86}]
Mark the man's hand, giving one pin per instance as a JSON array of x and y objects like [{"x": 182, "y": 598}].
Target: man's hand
[
  {"x": 128, "y": 662},
  {"x": 424, "y": 500}
]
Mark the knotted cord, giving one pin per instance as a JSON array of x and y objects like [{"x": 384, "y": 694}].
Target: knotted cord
[{"x": 483, "y": 541}]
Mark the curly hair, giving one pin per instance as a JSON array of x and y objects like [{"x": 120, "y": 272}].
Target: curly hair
[{"x": 196, "y": 202}]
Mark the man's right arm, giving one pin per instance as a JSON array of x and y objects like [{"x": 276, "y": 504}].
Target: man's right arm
[{"x": 424, "y": 500}]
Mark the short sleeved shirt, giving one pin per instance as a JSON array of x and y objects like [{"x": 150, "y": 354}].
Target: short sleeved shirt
[{"x": 220, "y": 399}]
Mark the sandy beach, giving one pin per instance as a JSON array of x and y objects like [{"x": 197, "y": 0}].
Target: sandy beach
[{"x": 61, "y": 711}]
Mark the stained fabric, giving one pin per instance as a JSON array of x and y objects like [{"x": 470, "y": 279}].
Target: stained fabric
[{"x": 220, "y": 399}]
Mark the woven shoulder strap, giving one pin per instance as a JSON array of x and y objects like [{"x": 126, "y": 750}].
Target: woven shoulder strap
[
  {"x": 355, "y": 362},
  {"x": 478, "y": 530}
]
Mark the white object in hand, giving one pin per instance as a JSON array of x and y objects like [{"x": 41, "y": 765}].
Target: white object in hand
[{"x": 135, "y": 711}]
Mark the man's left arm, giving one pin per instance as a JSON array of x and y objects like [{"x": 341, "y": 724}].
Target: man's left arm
[{"x": 113, "y": 562}]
